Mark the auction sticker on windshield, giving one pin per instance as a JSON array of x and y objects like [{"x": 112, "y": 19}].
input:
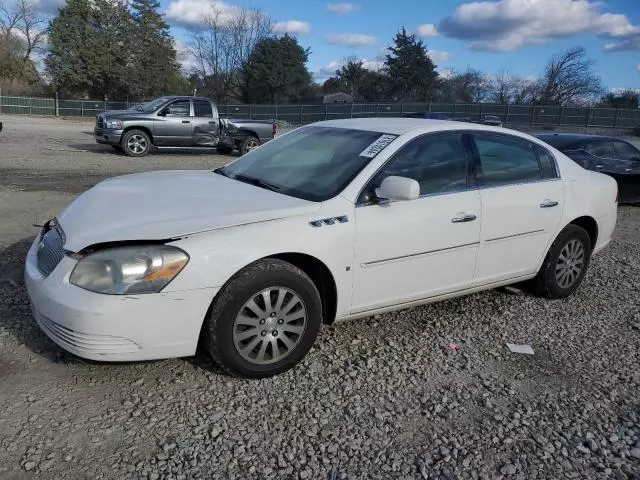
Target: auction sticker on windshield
[{"x": 375, "y": 148}]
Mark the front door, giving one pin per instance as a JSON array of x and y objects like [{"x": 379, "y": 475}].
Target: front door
[
  {"x": 409, "y": 250},
  {"x": 205, "y": 127},
  {"x": 173, "y": 125},
  {"x": 522, "y": 201}
]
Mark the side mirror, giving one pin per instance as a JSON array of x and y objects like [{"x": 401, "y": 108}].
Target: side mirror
[
  {"x": 398, "y": 188},
  {"x": 163, "y": 112}
]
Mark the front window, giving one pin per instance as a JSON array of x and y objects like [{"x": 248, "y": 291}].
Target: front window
[
  {"x": 313, "y": 163},
  {"x": 153, "y": 105}
]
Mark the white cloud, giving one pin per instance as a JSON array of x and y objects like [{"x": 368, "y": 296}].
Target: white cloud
[
  {"x": 184, "y": 56},
  {"x": 638, "y": 67},
  {"x": 351, "y": 39},
  {"x": 193, "y": 13},
  {"x": 509, "y": 24},
  {"x": 292, "y": 26},
  {"x": 438, "y": 56},
  {"x": 619, "y": 90},
  {"x": 427, "y": 30},
  {"x": 342, "y": 8},
  {"x": 329, "y": 70}
]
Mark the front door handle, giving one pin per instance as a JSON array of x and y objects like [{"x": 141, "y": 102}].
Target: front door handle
[
  {"x": 548, "y": 204},
  {"x": 186, "y": 121},
  {"x": 467, "y": 217}
]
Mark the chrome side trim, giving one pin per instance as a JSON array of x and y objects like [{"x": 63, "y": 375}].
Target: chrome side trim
[
  {"x": 515, "y": 235},
  {"x": 415, "y": 255},
  {"x": 329, "y": 221}
]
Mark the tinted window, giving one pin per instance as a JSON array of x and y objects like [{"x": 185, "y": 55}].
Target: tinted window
[
  {"x": 437, "y": 163},
  {"x": 202, "y": 108},
  {"x": 600, "y": 149},
  {"x": 314, "y": 163},
  {"x": 505, "y": 160},
  {"x": 626, "y": 151},
  {"x": 179, "y": 108},
  {"x": 547, "y": 163}
]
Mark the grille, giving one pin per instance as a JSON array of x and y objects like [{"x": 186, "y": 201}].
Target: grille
[
  {"x": 50, "y": 250},
  {"x": 99, "y": 122}
]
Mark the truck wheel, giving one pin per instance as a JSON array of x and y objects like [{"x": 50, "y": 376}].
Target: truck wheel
[
  {"x": 248, "y": 144},
  {"x": 264, "y": 320},
  {"x": 136, "y": 143}
]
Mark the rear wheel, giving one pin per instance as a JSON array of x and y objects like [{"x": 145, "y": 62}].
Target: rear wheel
[
  {"x": 248, "y": 144},
  {"x": 264, "y": 321},
  {"x": 565, "y": 265},
  {"x": 135, "y": 143}
]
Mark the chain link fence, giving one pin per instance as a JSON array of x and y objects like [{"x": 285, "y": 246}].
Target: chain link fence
[{"x": 301, "y": 114}]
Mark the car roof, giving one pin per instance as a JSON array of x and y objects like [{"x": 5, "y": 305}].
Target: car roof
[
  {"x": 568, "y": 140},
  {"x": 185, "y": 97},
  {"x": 400, "y": 125}
]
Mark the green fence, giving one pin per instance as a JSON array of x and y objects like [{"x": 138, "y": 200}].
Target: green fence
[{"x": 300, "y": 114}]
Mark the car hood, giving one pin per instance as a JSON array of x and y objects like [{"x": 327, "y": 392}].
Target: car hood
[{"x": 170, "y": 204}]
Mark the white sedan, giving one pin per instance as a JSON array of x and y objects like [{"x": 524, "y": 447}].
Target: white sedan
[{"x": 332, "y": 221}]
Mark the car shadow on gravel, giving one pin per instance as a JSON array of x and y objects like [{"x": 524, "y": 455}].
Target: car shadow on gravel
[{"x": 104, "y": 149}]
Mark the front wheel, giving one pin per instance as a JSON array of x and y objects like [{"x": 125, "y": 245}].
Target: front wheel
[
  {"x": 264, "y": 321},
  {"x": 248, "y": 144},
  {"x": 565, "y": 265},
  {"x": 136, "y": 143}
]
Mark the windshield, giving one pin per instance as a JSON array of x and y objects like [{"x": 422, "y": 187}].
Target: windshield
[
  {"x": 313, "y": 163},
  {"x": 151, "y": 106}
]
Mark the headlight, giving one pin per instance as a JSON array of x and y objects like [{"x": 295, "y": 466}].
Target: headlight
[
  {"x": 129, "y": 270},
  {"x": 117, "y": 124}
]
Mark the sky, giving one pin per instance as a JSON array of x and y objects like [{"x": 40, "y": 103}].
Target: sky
[{"x": 490, "y": 35}]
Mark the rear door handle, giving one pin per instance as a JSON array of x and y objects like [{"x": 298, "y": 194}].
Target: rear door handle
[
  {"x": 467, "y": 217},
  {"x": 186, "y": 121},
  {"x": 548, "y": 204}
]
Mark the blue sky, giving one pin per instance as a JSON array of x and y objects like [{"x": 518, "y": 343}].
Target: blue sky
[{"x": 490, "y": 35}]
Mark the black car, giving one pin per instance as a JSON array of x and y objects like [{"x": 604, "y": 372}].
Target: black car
[{"x": 604, "y": 154}]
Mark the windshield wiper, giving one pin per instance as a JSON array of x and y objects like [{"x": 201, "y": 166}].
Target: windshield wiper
[
  {"x": 248, "y": 179},
  {"x": 255, "y": 181}
]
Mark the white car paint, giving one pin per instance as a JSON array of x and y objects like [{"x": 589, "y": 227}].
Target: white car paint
[{"x": 385, "y": 257}]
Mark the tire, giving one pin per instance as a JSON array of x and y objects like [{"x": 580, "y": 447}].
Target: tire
[
  {"x": 242, "y": 342},
  {"x": 117, "y": 148},
  {"x": 573, "y": 243},
  {"x": 248, "y": 144},
  {"x": 225, "y": 149},
  {"x": 135, "y": 143}
]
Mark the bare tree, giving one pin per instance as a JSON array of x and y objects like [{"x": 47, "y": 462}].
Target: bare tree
[
  {"x": 502, "y": 87},
  {"x": 470, "y": 86},
  {"x": 524, "y": 91},
  {"x": 25, "y": 25},
  {"x": 568, "y": 78},
  {"x": 223, "y": 47}
]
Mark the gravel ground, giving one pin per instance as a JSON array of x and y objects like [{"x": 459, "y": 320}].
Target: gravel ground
[{"x": 381, "y": 397}]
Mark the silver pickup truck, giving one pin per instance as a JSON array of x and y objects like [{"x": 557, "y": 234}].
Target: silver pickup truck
[{"x": 179, "y": 123}]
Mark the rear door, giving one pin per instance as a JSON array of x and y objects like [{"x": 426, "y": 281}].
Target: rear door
[
  {"x": 173, "y": 126},
  {"x": 205, "y": 124},
  {"x": 522, "y": 201}
]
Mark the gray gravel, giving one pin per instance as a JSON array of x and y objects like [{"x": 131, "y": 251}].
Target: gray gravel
[{"x": 381, "y": 397}]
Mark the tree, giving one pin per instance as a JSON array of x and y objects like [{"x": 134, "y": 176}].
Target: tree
[
  {"x": 626, "y": 99},
  {"x": 568, "y": 78},
  {"x": 22, "y": 32},
  {"x": 276, "y": 72},
  {"x": 89, "y": 48},
  {"x": 153, "y": 69},
  {"x": 411, "y": 73},
  {"x": 471, "y": 86},
  {"x": 224, "y": 46}
]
